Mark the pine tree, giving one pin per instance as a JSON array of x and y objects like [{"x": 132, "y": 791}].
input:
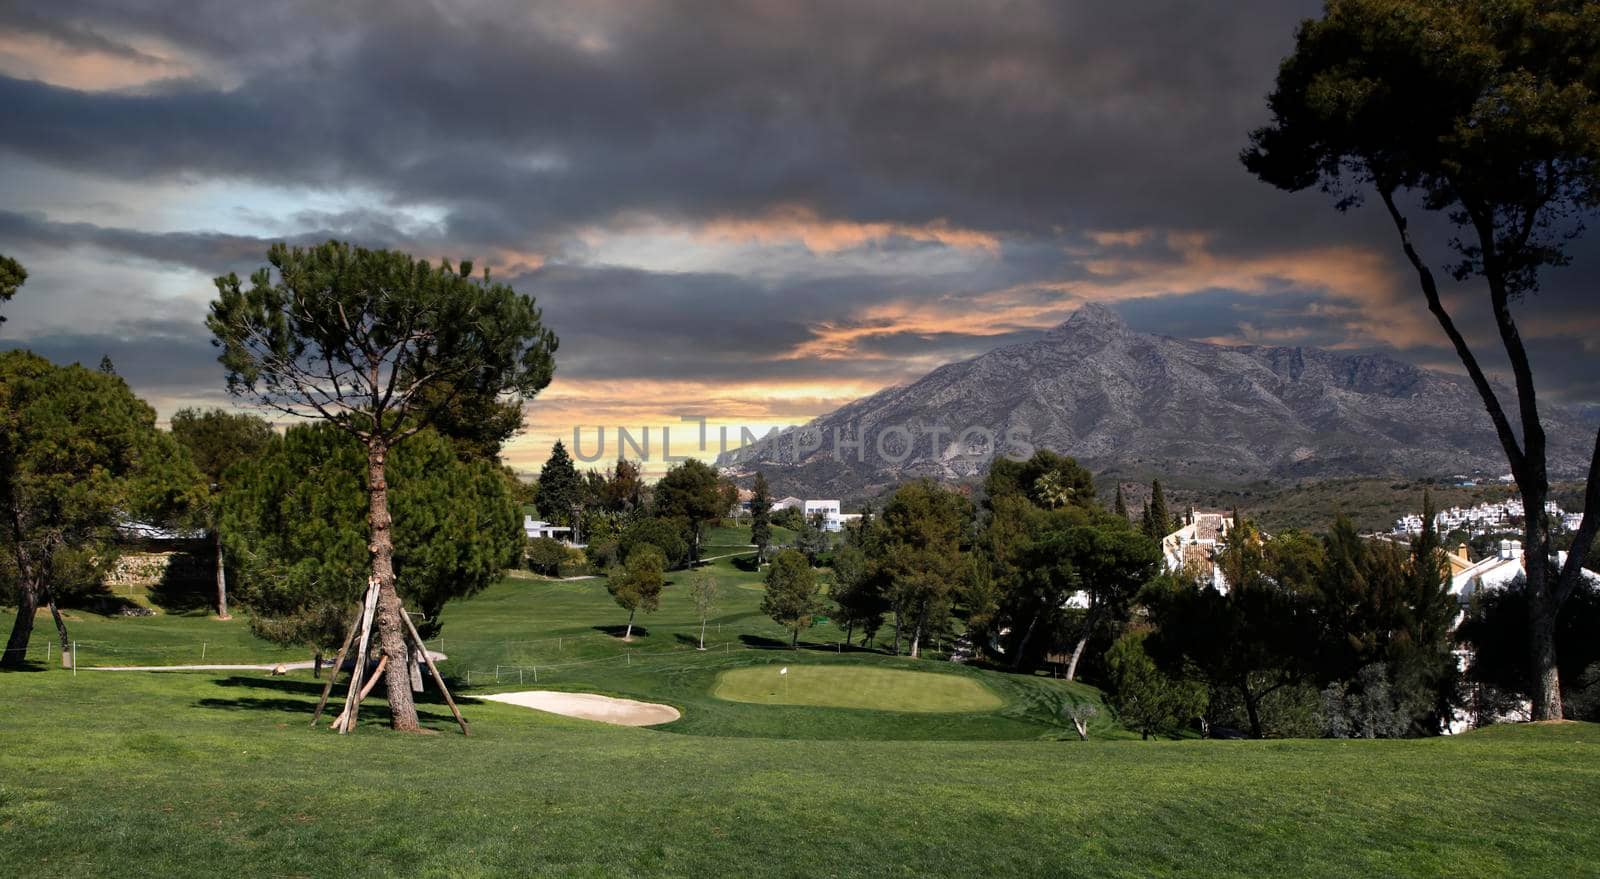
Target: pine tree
[
  {"x": 560, "y": 486},
  {"x": 79, "y": 453},
  {"x": 1159, "y": 518},
  {"x": 1121, "y": 507},
  {"x": 792, "y": 599},
  {"x": 760, "y": 516}
]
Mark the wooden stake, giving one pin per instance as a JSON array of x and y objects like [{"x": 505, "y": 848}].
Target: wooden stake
[
  {"x": 437, "y": 678},
  {"x": 383, "y": 663},
  {"x": 346, "y": 721},
  {"x": 337, "y": 665}
]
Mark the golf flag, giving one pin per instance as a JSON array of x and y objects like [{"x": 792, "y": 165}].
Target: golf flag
[{"x": 784, "y": 670}]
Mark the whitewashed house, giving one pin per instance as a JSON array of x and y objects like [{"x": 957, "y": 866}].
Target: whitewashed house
[
  {"x": 828, "y": 510},
  {"x": 789, "y": 503},
  {"x": 1194, "y": 547},
  {"x": 539, "y": 528}
]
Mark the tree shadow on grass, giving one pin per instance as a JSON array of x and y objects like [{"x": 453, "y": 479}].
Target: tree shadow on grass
[
  {"x": 747, "y": 563},
  {"x": 639, "y": 630},
  {"x": 309, "y": 691},
  {"x": 762, "y": 642},
  {"x": 303, "y": 709}
]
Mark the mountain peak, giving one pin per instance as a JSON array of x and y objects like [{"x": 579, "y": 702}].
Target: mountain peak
[{"x": 1091, "y": 318}]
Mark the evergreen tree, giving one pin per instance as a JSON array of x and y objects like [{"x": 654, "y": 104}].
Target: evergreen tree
[
  {"x": 1252, "y": 639},
  {"x": 924, "y": 528},
  {"x": 690, "y": 491},
  {"x": 217, "y": 440},
  {"x": 560, "y": 490},
  {"x": 638, "y": 583},
  {"x": 1148, "y": 699},
  {"x": 381, "y": 346},
  {"x": 79, "y": 454},
  {"x": 1160, "y": 520},
  {"x": 792, "y": 599},
  {"x": 12, "y": 276},
  {"x": 857, "y": 593},
  {"x": 294, "y": 524},
  {"x": 1121, "y": 508},
  {"x": 760, "y": 516}
]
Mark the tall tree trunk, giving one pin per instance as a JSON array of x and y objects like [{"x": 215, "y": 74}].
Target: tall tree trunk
[
  {"x": 916, "y": 639},
  {"x": 794, "y": 641},
  {"x": 22, "y": 628},
  {"x": 391, "y": 630},
  {"x": 849, "y": 631},
  {"x": 1077, "y": 653},
  {"x": 222, "y": 581},
  {"x": 67, "y": 659},
  {"x": 1546, "y": 683},
  {"x": 702, "y": 633},
  {"x": 27, "y": 599},
  {"x": 897, "y": 633},
  {"x": 628, "y": 635},
  {"x": 1252, "y": 707},
  {"x": 1027, "y": 635}
]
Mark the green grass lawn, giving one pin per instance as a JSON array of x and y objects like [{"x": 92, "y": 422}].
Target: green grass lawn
[
  {"x": 179, "y": 774},
  {"x": 205, "y": 774},
  {"x": 849, "y": 686}
]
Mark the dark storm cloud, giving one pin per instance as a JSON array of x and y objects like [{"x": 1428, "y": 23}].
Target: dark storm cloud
[
  {"x": 1004, "y": 116},
  {"x": 158, "y": 358},
  {"x": 519, "y": 128}
]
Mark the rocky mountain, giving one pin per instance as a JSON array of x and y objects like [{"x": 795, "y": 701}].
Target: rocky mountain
[{"x": 1138, "y": 405}]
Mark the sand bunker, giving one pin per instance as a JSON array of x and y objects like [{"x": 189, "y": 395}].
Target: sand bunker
[{"x": 589, "y": 706}]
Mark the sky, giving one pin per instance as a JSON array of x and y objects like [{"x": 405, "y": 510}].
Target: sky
[{"x": 750, "y": 212}]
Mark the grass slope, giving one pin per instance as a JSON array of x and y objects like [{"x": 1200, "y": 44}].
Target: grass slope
[{"x": 202, "y": 775}]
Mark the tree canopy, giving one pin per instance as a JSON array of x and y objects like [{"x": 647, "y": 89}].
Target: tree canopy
[
  {"x": 792, "y": 599},
  {"x": 79, "y": 456},
  {"x": 692, "y": 492},
  {"x": 216, "y": 440},
  {"x": 12, "y": 275},
  {"x": 924, "y": 532},
  {"x": 295, "y": 525},
  {"x": 636, "y": 585}
]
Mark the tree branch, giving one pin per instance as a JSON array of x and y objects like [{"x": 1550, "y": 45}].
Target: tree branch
[
  {"x": 1430, "y": 289},
  {"x": 1588, "y": 526}
]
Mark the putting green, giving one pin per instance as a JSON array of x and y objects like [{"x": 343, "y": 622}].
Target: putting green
[{"x": 843, "y": 686}]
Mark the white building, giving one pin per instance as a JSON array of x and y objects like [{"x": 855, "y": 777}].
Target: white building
[
  {"x": 1484, "y": 518},
  {"x": 1194, "y": 547},
  {"x": 828, "y": 510},
  {"x": 539, "y": 528}
]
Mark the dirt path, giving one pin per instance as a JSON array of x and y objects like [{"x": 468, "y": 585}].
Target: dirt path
[
  {"x": 263, "y": 666},
  {"x": 590, "y": 706}
]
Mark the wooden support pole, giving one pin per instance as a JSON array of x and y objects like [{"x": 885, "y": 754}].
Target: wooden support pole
[
  {"x": 383, "y": 663},
  {"x": 437, "y": 678},
  {"x": 337, "y": 665},
  {"x": 346, "y": 721}
]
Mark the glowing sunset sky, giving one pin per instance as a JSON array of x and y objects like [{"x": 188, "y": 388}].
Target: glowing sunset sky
[{"x": 749, "y": 211}]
